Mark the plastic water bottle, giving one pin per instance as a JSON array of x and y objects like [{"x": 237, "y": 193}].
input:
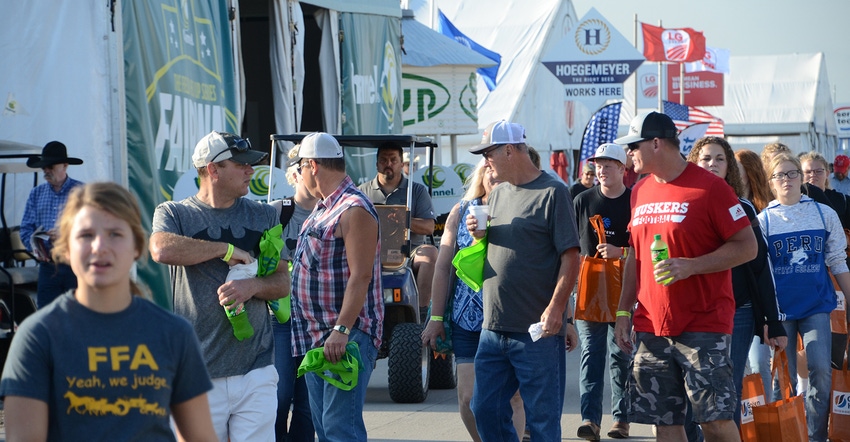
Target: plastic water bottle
[
  {"x": 238, "y": 318},
  {"x": 660, "y": 252},
  {"x": 282, "y": 309}
]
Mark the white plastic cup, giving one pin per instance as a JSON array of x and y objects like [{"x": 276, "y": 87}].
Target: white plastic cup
[{"x": 480, "y": 213}]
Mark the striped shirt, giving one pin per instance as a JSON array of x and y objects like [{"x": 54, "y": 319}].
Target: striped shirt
[
  {"x": 320, "y": 274},
  {"x": 43, "y": 208}
]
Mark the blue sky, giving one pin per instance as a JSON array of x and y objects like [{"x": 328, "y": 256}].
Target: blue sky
[{"x": 748, "y": 27}]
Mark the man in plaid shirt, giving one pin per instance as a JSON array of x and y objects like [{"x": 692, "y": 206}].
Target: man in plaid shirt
[
  {"x": 44, "y": 205},
  {"x": 336, "y": 285}
]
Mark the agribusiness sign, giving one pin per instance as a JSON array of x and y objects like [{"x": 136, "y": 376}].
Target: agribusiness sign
[{"x": 439, "y": 100}]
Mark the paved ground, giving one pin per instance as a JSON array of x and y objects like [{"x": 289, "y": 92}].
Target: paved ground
[{"x": 437, "y": 418}]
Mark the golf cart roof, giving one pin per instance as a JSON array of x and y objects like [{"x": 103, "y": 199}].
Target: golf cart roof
[
  {"x": 10, "y": 150},
  {"x": 364, "y": 140}
]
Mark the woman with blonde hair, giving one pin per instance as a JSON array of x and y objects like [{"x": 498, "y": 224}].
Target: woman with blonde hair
[
  {"x": 101, "y": 362},
  {"x": 467, "y": 310},
  {"x": 807, "y": 243}
]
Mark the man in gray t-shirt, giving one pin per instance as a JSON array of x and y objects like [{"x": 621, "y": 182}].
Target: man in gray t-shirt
[
  {"x": 531, "y": 267},
  {"x": 390, "y": 187},
  {"x": 200, "y": 237}
]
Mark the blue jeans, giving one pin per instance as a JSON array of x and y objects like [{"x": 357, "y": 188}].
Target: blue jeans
[
  {"x": 817, "y": 340},
  {"x": 760, "y": 363},
  {"x": 742, "y": 338},
  {"x": 291, "y": 391},
  {"x": 53, "y": 281},
  {"x": 597, "y": 346},
  {"x": 506, "y": 362},
  {"x": 338, "y": 414}
]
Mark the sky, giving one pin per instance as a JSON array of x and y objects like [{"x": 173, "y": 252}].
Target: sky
[{"x": 748, "y": 27}]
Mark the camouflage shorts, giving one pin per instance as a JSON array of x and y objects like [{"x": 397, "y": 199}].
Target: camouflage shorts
[{"x": 669, "y": 370}]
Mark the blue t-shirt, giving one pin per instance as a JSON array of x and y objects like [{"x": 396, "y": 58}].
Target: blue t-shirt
[{"x": 106, "y": 376}]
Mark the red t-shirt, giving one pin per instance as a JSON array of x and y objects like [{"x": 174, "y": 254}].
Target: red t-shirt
[{"x": 695, "y": 214}]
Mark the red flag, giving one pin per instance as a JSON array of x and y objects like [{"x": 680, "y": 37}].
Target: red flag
[{"x": 676, "y": 45}]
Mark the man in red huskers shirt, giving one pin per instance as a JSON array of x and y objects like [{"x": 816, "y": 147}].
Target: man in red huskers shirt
[{"x": 682, "y": 327}]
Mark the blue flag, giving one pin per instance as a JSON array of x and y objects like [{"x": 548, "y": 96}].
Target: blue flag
[
  {"x": 487, "y": 74},
  {"x": 601, "y": 129}
]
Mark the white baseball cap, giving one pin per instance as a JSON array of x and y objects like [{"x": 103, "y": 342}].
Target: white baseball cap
[
  {"x": 317, "y": 145},
  {"x": 500, "y": 132},
  {"x": 220, "y": 146},
  {"x": 610, "y": 151}
]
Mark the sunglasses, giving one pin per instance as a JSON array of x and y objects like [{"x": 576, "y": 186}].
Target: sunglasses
[
  {"x": 302, "y": 165},
  {"x": 234, "y": 143}
]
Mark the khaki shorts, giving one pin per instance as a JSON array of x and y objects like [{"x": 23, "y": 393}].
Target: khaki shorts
[{"x": 668, "y": 371}]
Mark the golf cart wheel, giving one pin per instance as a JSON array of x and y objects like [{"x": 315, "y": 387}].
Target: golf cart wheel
[
  {"x": 408, "y": 364},
  {"x": 443, "y": 372}
]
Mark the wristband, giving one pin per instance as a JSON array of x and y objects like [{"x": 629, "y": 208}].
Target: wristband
[
  {"x": 625, "y": 313},
  {"x": 437, "y": 318},
  {"x": 229, "y": 253},
  {"x": 625, "y": 251}
]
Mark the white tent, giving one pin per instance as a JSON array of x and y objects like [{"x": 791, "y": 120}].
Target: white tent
[
  {"x": 526, "y": 92},
  {"x": 770, "y": 98}
]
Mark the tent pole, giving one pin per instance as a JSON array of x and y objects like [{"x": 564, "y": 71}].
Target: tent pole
[{"x": 635, "y": 74}]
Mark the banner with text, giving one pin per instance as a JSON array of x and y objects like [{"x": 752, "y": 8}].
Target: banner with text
[
  {"x": 439, "y": 100},
  {"x": 371, "y": 74},
  {"x": 701, "y": 88},
  {"x": 593, "y": 61},
  {"x": 179, "y": 86}
]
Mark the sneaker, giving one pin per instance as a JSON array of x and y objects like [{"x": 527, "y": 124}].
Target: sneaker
[
  {"x": 526, "y": 436},
  {"x": 588, "y": 431},
  {"x": 620, "y": 430}
]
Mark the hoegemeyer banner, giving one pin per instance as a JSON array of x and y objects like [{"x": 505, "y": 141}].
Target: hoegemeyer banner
[
  {"x": 371, "y": 74},
  {"x": 179, "y": 86},
  {"x": 593, "y": 61}
]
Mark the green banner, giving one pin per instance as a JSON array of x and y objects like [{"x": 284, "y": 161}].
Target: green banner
[
  {"x": 371, "y": 74},
  {"x": 179, "y": 86}
]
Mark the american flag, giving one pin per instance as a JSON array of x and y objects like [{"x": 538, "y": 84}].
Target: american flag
[
  {"x": 685, "y": 116},
  {"x": 602, "y": 128}
]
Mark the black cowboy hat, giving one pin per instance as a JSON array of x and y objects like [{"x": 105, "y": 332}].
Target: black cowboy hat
[{"x": 54, "y": 152}]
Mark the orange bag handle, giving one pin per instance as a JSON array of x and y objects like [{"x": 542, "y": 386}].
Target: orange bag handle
[
  {"x": 780, "y": 368},
  {"x": 596, "y": 222}
]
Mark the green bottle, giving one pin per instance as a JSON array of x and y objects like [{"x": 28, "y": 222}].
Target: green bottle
[
  {"x": 238, "y": 318},
  {"x": 659, "y": 252}
]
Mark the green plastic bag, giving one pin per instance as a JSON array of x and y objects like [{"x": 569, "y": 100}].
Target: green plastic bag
[
  {"x": 271, "y": 244},
  {"x": 469, "y": 263},
  {"x": 343, "y": 374}
]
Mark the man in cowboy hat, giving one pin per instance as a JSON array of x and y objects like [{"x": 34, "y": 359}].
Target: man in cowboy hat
[{"x": 44, "y": 205}]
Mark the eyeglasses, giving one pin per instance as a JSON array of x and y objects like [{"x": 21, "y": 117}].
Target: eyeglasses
[
  {"x": 234, "y": 143},
  {"x": 815, "y": 172},
  {"x": 791, "y": 174},
  {"x": 302, "y": 165},
  {"x": 489, "y": 154}
]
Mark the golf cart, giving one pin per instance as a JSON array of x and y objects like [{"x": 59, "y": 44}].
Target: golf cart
[
  {"x": 412, "y": 369},
  {"x": 18, "y": 268}
]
